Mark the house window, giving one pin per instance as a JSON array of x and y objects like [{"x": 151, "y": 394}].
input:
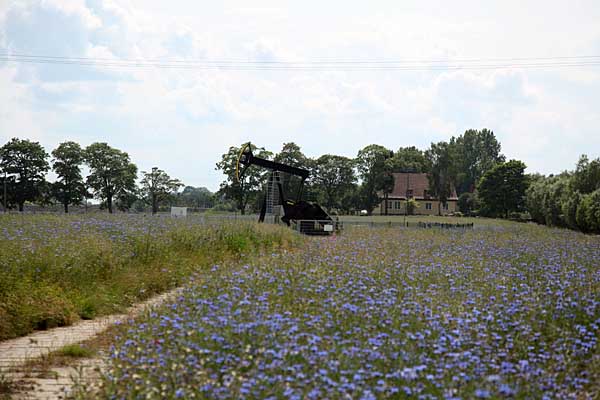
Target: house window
[
  {"x": 428, "y": 206},
  {"x": 445, "y": 206},
  {"x": 409, "y": 193},
  {"x": 397, "y": 205}
]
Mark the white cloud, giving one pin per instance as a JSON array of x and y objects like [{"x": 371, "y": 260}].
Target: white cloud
[{"x": 183, "y": 119}]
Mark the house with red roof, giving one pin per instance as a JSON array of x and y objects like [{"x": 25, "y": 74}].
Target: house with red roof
[{"x": 409, "y": 185}]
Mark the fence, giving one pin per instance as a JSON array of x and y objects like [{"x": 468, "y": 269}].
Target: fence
[
  {"x": 409, "y": 224},
  {"x": 317, "y": 227}
]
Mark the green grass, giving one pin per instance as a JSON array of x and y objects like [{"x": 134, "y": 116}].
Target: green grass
[
  {"x": 424, "y": 218},
  {"x": 56, "y": 269},
  {"x": 75, "y": 351}
]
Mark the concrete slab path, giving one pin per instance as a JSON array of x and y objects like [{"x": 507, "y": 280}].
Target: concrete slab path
[{"x": 58, "y": 382}]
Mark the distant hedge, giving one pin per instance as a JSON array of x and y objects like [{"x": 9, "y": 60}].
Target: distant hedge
[{"x": 571, "y": 199}]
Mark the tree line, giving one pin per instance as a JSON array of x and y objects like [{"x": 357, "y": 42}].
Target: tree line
[
  {"x": 570, "y": 199},
  {"x": 112, "y": 179},
  {"x": 470, "y": 164},
  {"x": 348, "y": 184}
]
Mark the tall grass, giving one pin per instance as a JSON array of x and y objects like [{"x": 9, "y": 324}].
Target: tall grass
[{"x": 56, "y": 269}]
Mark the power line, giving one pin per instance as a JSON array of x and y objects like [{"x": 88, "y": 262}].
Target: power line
[
  {"x": 316, "y": 61},
  {"x": 315, "y": 65}
]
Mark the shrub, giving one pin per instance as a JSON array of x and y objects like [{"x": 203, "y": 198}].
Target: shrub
[
  {"x": 588, "y": 214},
  {"x": 569, "y": 209}
]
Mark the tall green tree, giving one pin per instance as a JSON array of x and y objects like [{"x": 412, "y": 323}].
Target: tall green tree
[
  {"x": 371, "y": 166},
  {"x": 409, "y": 159},
  {"x": 69, "y": 187},
  {"x": 243, "y": 192},
  {"x": 334, "y": 179},
  {"x": 502, "y": 189},
  {"x": 387, "y": 182},
  {"x": 112, "y": 175},
  {"x": 157, "y": 186},
  {"x": 292, "y": 155},
  {"x": 442, "y": 174},
  {"x": 474, "y": 153},
  {"x": 586, "y": 177},
  {"x": 26, "y": 162}
]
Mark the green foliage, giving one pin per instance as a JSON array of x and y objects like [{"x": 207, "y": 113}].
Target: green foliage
[
  {"x": 586, "y": 177},
  {"x": 569, "y": 199},
  {"x": 334, "y": 180},
  {"x": 291, "y": 154},
  {"x": 570, "y": 204},
  {"x": 588, "y": 212},
  {"x": 502, "y": 189},
  {"x": 246, "y": 191},
  {"x": 196, "y": 197},
  {"x": 409, "y": 159},
  {"x": 411, "y": 206},
  {"x": 371, "y": 166},
  {"x": 441, "y": 176},
  {"x": 25, "y": 162},
  {"x": 69, "y": 187},
  {"x": 157, "y": 186},
  {"x": 474, "y": 153},
  {"x": 112, "y": 175},
  {"x": 75, "y": 351},
  {"x": 467, "y": 203}
]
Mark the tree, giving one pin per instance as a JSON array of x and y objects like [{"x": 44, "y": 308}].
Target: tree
[
  {"x": 569, "y": 209},
  {"x": 112, "y": 175},
  {"x": 586, "y": 177},
  {"x": 291, "y": 154},
  {"x": 244, "y": 192},
  {"x": 467, "y": 203},
  {"x": 441, "y": 175},
  {"x": 126, "y": 199},
  {"x": 69, "y": 188},
  {"x": 370, "y": 163},
  {"x": 409, "y": 159},
  {"x": 26, "y": 162},
  {"x": 411, "y": 206},
  {"x": 157, "y": 185},
  {"x": 502, "y": 189},
  {"x": 334, "y": 179},
  {"x": 474, "y": 153},
  {"x": 196, "y": 197},
  {"x": 555, "y": 191},
  {"x": 387, "y": 182}
]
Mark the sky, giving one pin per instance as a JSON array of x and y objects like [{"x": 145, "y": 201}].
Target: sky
[{"x": 183, "y": 120}]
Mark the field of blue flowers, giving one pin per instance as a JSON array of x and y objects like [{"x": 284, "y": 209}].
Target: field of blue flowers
[{"x": 505, "y": 311}]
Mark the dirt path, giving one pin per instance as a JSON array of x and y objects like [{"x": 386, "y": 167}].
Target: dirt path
[{"x": 55, "y": 383}]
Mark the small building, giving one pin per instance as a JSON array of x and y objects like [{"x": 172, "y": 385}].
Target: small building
[{"x": 415, "y": 186}]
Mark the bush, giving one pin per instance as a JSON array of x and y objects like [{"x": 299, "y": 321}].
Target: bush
[
  {"x": 569, "y": 209},
  {"x": 588, "y": 212},
  {"x": 467, "y": 202}
]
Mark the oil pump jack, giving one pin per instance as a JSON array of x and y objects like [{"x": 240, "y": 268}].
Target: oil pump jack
[{"x": 307, "y": 217}]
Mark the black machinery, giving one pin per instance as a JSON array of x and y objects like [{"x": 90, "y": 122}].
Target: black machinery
[{"x": 307, "y": 217}]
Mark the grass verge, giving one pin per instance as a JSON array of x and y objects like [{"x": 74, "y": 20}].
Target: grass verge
[{"x": 57, "y": 269}]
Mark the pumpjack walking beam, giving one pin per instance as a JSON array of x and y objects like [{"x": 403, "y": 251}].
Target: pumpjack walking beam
[{"x": 246, "y": 158}]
